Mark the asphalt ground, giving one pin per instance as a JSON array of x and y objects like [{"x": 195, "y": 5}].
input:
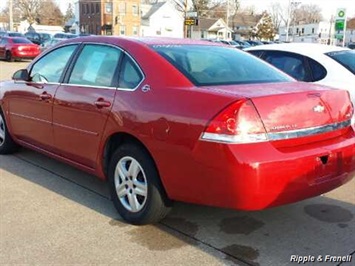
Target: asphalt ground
[{"x": 52, "y": 213}]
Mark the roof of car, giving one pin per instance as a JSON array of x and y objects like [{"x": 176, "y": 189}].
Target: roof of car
[
  {"x": 142, "y": 40},
  {"x": 300, "y": 48}
]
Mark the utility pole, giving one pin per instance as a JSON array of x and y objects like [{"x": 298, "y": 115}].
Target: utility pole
[{"x": 11, "y": 22}]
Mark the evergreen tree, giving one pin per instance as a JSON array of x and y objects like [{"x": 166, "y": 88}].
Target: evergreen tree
[{"x": 265, "y": 29}]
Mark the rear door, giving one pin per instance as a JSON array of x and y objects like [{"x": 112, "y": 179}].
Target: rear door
[
  {"x": 3, "y": 42},
  {"x": 82, "y": 104}
]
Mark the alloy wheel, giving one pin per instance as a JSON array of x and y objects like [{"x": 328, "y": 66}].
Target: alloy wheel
[{"x": 131, "y": 184}]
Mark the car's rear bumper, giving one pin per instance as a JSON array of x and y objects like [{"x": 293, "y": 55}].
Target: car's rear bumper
[{"x": 261, "y": 175}]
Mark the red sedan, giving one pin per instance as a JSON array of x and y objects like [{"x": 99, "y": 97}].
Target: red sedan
[
  {"x": 12, "y": 48},
  {"x": 168, "y": 120}
]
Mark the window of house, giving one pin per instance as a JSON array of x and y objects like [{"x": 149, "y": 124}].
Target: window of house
[
  {"x": 135, "y": 31},
  {"x": 302, "y": 30},
  {"x": 96, "y": 66},
  {"x": 312, "y": 30},
  {"x": 122, "y": 8},
  {"x": 122, "y": 30},
  {"x": 135, "y": 10},
  {"x": 108, "y": 8}
]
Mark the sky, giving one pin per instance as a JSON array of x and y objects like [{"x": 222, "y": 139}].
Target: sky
[{"x": 329, "y": 7}]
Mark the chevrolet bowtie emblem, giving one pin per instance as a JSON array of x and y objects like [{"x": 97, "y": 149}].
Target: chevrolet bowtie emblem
[{"x": 319, "y": 108}]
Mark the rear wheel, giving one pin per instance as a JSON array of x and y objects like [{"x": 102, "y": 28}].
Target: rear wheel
[
  {"x": 136, "y": 189},
  {"x": 9, "y": 57},
  {"x": 7, "y": 145}
]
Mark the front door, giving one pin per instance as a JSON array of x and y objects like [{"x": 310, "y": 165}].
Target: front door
[
  {"x": 30, "y": 104},
  {"x": 82, "y": 104}
]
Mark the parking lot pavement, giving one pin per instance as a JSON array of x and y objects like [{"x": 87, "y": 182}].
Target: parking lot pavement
[{"x": 51, "y": 213}]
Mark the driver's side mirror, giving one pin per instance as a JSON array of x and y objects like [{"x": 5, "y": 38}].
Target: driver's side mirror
[{"x": 21, "y": 74}]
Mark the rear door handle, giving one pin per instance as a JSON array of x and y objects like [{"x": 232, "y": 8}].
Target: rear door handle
[
  {"x": 45, "y": 96},
  {"x": 100, "y": 103}
]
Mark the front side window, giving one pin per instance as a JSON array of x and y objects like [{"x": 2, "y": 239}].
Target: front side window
[
  {"x": 96, "y": 66},
  {"x": 216, "y": 65},
  {"x": 346, "y": 58},
  {"x": 50, "y": 67}
]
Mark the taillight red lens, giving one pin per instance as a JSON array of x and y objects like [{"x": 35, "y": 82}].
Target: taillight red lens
[{"x": 238, "y": 123}]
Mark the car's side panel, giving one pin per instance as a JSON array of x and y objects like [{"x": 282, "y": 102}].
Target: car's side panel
[
  {"x": 29, "y": 106},
  {"x": 78, "y": 122}
]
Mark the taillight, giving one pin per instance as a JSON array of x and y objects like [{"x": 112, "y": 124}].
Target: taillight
[{"x": 237, "y": 123}]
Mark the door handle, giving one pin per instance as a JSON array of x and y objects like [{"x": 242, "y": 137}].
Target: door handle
[
  {"x": 100, "y": 103},
  {"x": 45, "y": 96}
]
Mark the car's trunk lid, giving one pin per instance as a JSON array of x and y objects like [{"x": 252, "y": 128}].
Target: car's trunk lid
[{"x": 295, "y": 107}]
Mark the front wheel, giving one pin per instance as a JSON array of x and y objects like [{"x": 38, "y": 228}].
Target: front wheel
[
  {"x": 7, "y": 145},
  {"x": 136, "y": 188}
]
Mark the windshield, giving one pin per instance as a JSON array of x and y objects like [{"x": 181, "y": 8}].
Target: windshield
[
  {"x": 214, "y": 65},
  {"x": 345, "y": 58}
]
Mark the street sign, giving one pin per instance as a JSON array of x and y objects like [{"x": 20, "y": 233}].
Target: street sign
[
  {"x": 340, "y": 24},
  {"x": 191, "y": 14},
  {"x": 191, "y": 22}
]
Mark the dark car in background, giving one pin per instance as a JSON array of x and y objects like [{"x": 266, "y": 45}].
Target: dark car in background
[
  {"x": 37, "y": 37},
  {"x": 64, "y": 35},
  {"x": 13, "y": 48},
  {"x": 12, "y": 34}
]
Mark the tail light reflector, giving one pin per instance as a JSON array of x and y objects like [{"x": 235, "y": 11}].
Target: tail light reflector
[{"x": 237, "y": 123}]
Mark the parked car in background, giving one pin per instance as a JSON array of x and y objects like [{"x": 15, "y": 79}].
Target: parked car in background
[
  {"x": 17, "y": 48},
  {"x": 327, "y": 65},
  {"x": 13, "y": 34},
  {"x": 64, "y": 35},
  {"x": 2, "y": 33},
  {"x": 243, "y": 44},
  {"x": 254, "y": 42},
  {"x": 37, "y": 37},
  {"x": 351, "y": 46},
  {"x": 50, "y": 43},
  {"x": 168, "y": 120}
]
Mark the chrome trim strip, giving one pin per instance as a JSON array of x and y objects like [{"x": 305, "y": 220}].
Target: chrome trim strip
[
  {"x": 308, "y": 131},
  {"x": 87, "y": 86},
  {"x": 30, "y": 117},
  {"x": 76, "y": 129}
]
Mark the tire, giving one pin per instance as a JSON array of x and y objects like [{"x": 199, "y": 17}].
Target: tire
[
  {"x": 139, "y": 197},
  {"x": 9, "y": 57},
  {"x": 7, "y": 144}
]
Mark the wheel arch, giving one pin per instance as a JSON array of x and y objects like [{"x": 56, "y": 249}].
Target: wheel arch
[{"x": 116, "y": 140}]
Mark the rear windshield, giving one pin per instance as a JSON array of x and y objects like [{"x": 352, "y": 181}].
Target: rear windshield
[
  {"x": 345, "y": 58},
  {"x": 20, "y": 40},
  {"x": 207, "y": 65}
]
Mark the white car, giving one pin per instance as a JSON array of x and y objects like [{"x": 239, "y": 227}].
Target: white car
[{"x": 327, "y": 65}]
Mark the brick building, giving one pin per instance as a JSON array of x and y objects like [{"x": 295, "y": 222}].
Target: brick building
[{"x": 110, "y": 17}]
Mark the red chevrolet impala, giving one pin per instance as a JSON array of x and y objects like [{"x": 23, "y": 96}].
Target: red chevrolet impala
[
  {"x": 168, "y": 120},
  {"x": 12, "y": 48}
]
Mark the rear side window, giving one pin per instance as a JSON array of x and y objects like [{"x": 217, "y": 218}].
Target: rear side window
[
  {"x": 290, "y": 63},
  {"x": 257, "y": 53},
  {"x": 318, "y": 71},
  {"x": 96, "y": 66},
  {"x": 345, "y": 58},
  {"x": 207, "y": 65},
  {"x": 130, "y": 75}
]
